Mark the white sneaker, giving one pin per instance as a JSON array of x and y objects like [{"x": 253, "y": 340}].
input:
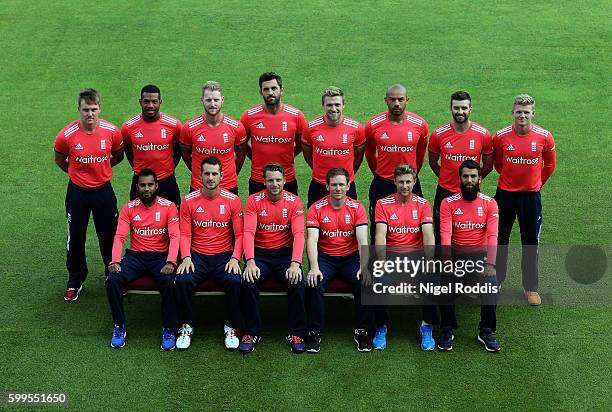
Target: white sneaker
[
  {"x": 231, "y": 338},
  {"x": 184, "y": 337}
]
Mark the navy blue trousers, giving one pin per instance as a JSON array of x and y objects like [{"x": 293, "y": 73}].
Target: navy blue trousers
[
  {"x": 167, "y": 188},
  {"x": 317, "y": 191},
  {"x": 441, "y": 194}
]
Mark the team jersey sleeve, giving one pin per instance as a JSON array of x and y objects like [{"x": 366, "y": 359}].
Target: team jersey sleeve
[
  {"x": 238, "y": 227},
  {"x": 241, "y": 137},
  {"x": 379, "y": 214},
  {"x": 421, "y": 148},
  {"x": 174, "y": 233},
  {"x": 549, "y": 155},
  {"x": 426, "y": 215},
  {"x": 185, "y": 224},
  {"x": 360, "y": 139},
  {"x": 250, "y": 226},
  {"x": 312, "y": 218},
  {"x": 498, "y": 154},
  {"x": 370, "y": 152},
  {"x": 297, "y": 228},
  {"x": 244, "y": 119},
  {"x": 307, "y": 136},
  {"x": 361, "y": 217},
  {"x": 301, "y": 125},
  {"x": 492, "y": 222},
  {"x": 117, "y": 140},
  {"x": 434, "y": 143},
  {"x": 185, "y": 136},
  {"x": 125, "y": 134},
  {"x": 487, "y": 144},
  {"x": 123, "y": 227},
  {"x": 446, "y": 223},
  {"x": 177, "y": 132},
  {"x": 61, "y": 145}
]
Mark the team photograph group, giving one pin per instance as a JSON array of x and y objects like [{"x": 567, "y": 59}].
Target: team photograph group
[{"x": 210, "y": 232}]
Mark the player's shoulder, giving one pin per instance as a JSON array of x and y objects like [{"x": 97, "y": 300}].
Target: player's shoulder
[
  {"x": 133, "y": 203},
  {"x": 106, "y": 125},
  {"x": 253, "y": 110},
  {"x": 164, "y": 202},
  {"x": 418, "y": 199},
  {"x": 352, "y": 203},
  {"x": 70, "y": 129},
  {"x": 389, "y": 200},
  {"x": 317, "y": 121},
  {"x": 505, "y": 131},
  {"x": 230, "y": 121},
  {"x": 453, "y": 198},
  {"x": 195, "y": 122},
  {"x": 443, "y": 129},
  {"x": 189, "y": 197},
  {"x": 290, "y": 197},
  {"x": 476, "y": 127},
  {"x": 414, "y": 118},
  {"x": 166, "y": 119},
  {"x": 377, "y": 119},
  {"x": 320, "y": 203},
  {"x": 485, "y": 197},
  {"x": 258, "y": 197},
  {"x": 291, "y": 110},
  {"x": 540, "y": 130},
  {"x": 226, "y": 194},
  {"x": 347, "y": 121},
  {"x": 132, "y": 121}
]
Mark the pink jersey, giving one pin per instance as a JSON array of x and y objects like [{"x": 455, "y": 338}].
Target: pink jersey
[
  {"x": 389, "y": 144},
  {"x": 273, "y": 138},
  {"x": 526, "y": 162},
  {"x": 211, "y": 226},
  {"x": 337, "y": 236},
  {"x": 274, "y": 225},
  {"x": 470, "y": 223},
  {"x": 219, "y": 141},
  {"x": 403, "y": 221},
  {"x": 152, "y": 143},
  {"x": 454, "y": 148},
  {"x": 333, "y": 146},
  {"x": 152, "y": 229},
  {"x": 89, "y": 154}
]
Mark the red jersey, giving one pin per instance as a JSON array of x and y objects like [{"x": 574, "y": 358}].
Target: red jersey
[
  {"x": 455, "y": 148},
  {"x": 152, "y": 143},
  {"x": 470, "y": 223},
  {"x": 89, "y": 154},
  {"x": 389, "y": 144},
  {"x": 524, "y": 163},
  {"x": 152, "y": 229},
  {"x": 220, "y": 140},
  {"x": 274, "y": 225},
  {"x": 337, "y": 236},
  {"x": 333, "y": 146},
  {"x": 273, "y": 138},
  {"x": 403, "y": 221},
  {"x": 211, "y": 226}
]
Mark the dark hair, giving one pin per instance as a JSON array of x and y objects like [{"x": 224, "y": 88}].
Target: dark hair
[
  {"x": 460, "y": 95},
  {"x": 147, "y": 172},
  {"x": 150, "y": 88},
  {"x": 336, "y": 171},
  {"x": 404, "y": 169},
  {"x": 273, "y": 167},
  {"x": 211, "y": 160},
  {"x": 469, "y": 164},
  {"x": 89, "y": 96},
  {"x": 267, "y": 76}
]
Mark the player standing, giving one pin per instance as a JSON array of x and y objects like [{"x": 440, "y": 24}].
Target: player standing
[
  {"x": 214, "y": 133},
  {"x": 525, "y": 158},
  {"x": 211, "y": 244},
  {"x": 274, "y": 130},
  {"x": 87, "y": 149},
  {"x": 332, "y": 140},
  {"x": 273, "y": 245},
  {"x": 451, "y": 144},
  {"x": 150, "y": 141},
  {"x": 153, "y": 224}
]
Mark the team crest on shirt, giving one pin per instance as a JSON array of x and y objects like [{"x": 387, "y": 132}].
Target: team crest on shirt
[
  {"x": 284, "y": 126},
  {"x": 472, "y": 142},
  {"x": 344, "y": 138},
  {"x": 260, "y": 125},
  {"x": 480, "y": 211},
  {"x": 326, "y": 220},
  {"x": 157, "y": 216},
  {"x": 534, "y": 147},
  {"x": 458, "y": 212},
  {"x": 347, "y": 218},
  {"x": 199, "y": 210},
  {"x": 78, "y": 147},
  {"x": 263, "y": 213},
  {"x": 103, "y": 144},
  {"x": 415, "y": 215},
  {"x": 393, "y": 217},
  {"x": 139, "y": 134},
  {"x": 384, "y": 135},
  {"x": 225, "y": 138},
  {"x": 284, "y": 212},
  {"x": 137, "y": 218},
  {"x": 410, "y": 136},
  {"x": 201, "y": 138},
  {"x": 222, "y": 209}
]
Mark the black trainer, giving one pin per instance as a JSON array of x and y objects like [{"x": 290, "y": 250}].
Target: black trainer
[
  {"x": 488, "y": 339},
  {"x": 313, "y": 342},
  {"x": 445, "y": 340},
  {"x": 363, "y": 340}
]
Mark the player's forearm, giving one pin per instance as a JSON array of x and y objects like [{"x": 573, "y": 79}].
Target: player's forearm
[
  {"x": 248, "y": 242},
  {"x": 129, "y": 154},
  {"x": 313, "y": 254},
  {"x": 487, "y": 165},
  {"x": 118, "y": 243},
  {"x": 240, "y": 152},
  {"x": 116, "y": 157},
  {"x": 433, "y": 163},
  {"x": 298, "y": 247},
  {"x": 61, "y": 160},
  {"x": 307, "y": 150},
  {"x": 176, "y": 155},
  {"x": 186, "y": 155},
  {"x": 359, "y": 151}
]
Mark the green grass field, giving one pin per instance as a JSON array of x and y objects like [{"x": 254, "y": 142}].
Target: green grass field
[{"x": 554, "y": 356}]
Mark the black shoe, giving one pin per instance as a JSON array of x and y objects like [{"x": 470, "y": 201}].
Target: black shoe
[
  {"x": 445, "y": 340},
  {"x": 313, "y": 342},
  {"x": 363, "y": 340},
  {"x": 488, "y": 339}
]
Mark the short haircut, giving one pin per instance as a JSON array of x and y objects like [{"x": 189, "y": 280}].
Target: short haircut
[
  {"x": 460, "y": 95},
  {"x": 273, "y": 167},
  {"x": 211, "y": 160},
  {"x": 469, "y": 164},
  {"x": 150, "y": 88},
  {"x": 90, "y": 96},
  {"x": 332, "y": 91},
  {"x": 336, "y": 171},
  {"x": 267, "y": 76},
  {"x": 213, "y": 86},
  {"x": 147, "y": 172},
  {"x": 404, "y": 169},
  {"x": 397, "y": 86},
  {"x": 524, "y": 100}
]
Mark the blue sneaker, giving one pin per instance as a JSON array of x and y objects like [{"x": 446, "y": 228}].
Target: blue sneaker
[
  {"x": 380, "y": 338},
  {"x": 118, "y": 339},
  {"x": 297, "y": 343},
  {"x": 247, "y": 343},
  {"x": 168, "y": 339},
  {"x": 427, "y": 340},
  {"x": 488, "y": 339}
]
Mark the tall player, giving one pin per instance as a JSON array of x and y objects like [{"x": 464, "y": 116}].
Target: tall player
[
  {"x": 525, "y": 158},
  {"x": 273, "y": 245},
  {"x": 332, "y": 140},
  {"x": 151, "y": 141},
  {"x": 87, "y": 149},
  {"x": 337, "y": 246},
  {"x": 394, "y": 137},
  {"x": 468, "y": 222},
  {"x": 274, "y": 130},
  {"x": 153, "y": 224},
  {"x": 451, "y": 144},
  {"x": 211, "y": 245},
  {"x": 214, "y": 133},
  {"x": 404, "y": 221}
]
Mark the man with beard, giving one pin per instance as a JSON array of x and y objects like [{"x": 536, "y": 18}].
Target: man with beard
[
  {"x": 153, "y": 224},
  {"x": 274, "y": 130},
  {"x": 525, "y": 158},
  {"x": 273, "y": 245},
  {"x": 87, "y": 149},
  {"x": 214, "y": 133},
  {"x": 211, "y": 245},
  {"x": 150, "y": 141},
  {"x": 332, "y": 140},
  {"x": 468, "y": 223},
  {"x": 453, "y": 143}
]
